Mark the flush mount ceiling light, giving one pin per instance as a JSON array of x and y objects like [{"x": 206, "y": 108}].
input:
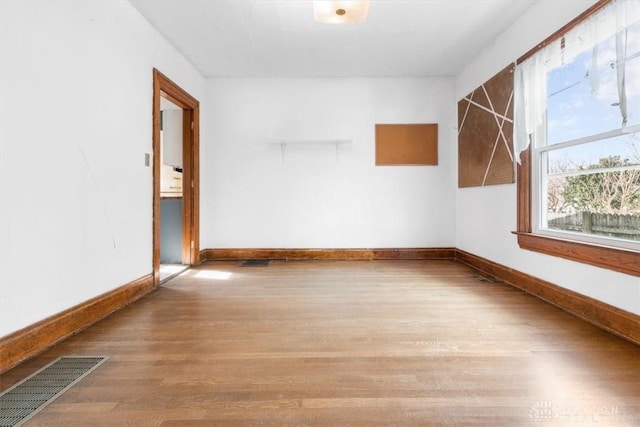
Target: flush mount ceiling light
[{"x": 340, "y": 11}]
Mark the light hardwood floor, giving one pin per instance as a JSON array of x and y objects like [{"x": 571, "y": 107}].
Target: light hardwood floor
[{"x": 344, "y": 343}]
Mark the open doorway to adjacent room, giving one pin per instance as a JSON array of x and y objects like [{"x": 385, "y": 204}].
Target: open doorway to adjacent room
[
  {"x": 175, "y": 183},
  {"x": 171, "y": 194}
]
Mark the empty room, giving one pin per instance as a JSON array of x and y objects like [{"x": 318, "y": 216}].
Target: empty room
[{"x": 331, "y": 213}]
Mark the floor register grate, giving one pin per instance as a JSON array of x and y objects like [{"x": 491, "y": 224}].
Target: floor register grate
[
  {"x": 28, "y": 397},
  {"x": 256, "y": 263}
]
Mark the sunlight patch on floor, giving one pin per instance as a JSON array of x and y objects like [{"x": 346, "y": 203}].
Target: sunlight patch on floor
[{"x": 213, "y": 274}]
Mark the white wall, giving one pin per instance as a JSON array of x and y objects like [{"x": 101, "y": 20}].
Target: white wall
[
  {"x": 252, "y": 198},
  {"x": 76, "y": 85},
  {"x": 486, "y": 216}
]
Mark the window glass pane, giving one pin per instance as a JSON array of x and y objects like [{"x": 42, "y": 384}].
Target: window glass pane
[
  {"x": 563, "y": 215},
  {"x": 623, "y": 150},
  {"x": 594, "y": 188},
  {"x": 583, "y": 95}
]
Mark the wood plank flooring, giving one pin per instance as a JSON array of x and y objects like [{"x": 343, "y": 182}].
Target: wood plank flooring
[{"x": 331, "y": 343}]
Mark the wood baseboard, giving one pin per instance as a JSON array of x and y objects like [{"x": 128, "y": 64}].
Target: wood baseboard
[
  {"x": 605, "y": 316},
  {"x": 327, "y": 254},
  {"x": 34, "y": 339}
]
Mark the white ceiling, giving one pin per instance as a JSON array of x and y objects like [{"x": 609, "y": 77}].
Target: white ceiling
[{"x": 279, "y": 38}]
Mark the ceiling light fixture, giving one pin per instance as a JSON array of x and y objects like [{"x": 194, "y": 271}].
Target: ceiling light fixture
[{"x": 340, "y": 11}]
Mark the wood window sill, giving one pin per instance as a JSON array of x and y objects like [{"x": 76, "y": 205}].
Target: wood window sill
[{"x": 617, "y": 259}]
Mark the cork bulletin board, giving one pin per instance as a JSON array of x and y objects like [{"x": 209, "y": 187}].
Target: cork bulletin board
[
  {"x": 485, "y": 133},
  {"x": 407, "y": 144}
]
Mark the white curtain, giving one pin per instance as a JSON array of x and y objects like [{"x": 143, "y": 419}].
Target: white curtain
[
  {"x": 530, "y": 86},
  {"x": 530, "y": 93}
]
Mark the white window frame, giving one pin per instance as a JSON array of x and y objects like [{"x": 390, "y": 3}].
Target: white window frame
[{"x": 539, "y": 185}]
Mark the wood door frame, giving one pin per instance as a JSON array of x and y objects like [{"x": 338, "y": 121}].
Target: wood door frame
[{"x": 163, "y": 87}]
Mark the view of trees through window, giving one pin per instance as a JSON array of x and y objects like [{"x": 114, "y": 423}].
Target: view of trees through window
[{"x": 590, "y": 163}]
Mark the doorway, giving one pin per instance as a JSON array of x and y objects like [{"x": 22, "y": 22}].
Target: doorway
[
  {"x": 171, "y": 194},
  {"x": 175, "y": 202}
]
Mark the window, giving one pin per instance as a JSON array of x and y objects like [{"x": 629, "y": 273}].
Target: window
[{"x": 578, "y": 102}]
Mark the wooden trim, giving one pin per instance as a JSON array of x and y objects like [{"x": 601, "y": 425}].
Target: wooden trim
[
  {"x": 524, "y": 192},
  {"x": 187, "y": 191},
  {"x": 155, "y": 126},
  {"x": 601, "y": 256},
  {"x": 565, "y": 28},
  {"x": 327, "y": 254},
  {"x": 195, "y": 190},
  {"x": 605, "y": 316},
  {"x": 34, "y": 339},
  {"x": 166, "y": 88}
]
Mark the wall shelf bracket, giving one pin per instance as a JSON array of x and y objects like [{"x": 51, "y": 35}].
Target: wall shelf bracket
[{"x": 284, "y": 142}]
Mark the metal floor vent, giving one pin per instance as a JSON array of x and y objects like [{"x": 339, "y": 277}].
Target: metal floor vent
[
  {"x": 29, "y": 396},
  {"x": 256, "y": 263}
]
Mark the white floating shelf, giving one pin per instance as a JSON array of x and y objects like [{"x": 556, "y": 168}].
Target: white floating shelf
[{"x": 283, "y": 142}]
